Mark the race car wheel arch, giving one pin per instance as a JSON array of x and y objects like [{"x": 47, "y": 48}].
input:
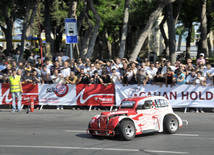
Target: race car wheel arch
[
  {"x": 127, "y": 130},
  {"x": 170, "y": 124}
]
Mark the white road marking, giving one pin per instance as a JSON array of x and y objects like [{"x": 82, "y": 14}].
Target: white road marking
[
  {"x": 165, "y": 152},
  {"x": 87, "y": 148},
  {"x": 77, "y": 131},
  {"x": 187, "y": 135},
  {"x": 71, "y": 148}
]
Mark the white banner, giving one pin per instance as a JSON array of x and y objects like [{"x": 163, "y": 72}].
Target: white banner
[
  {"x": 179, "y": 95},
  {"x": 57, "y": 94}
]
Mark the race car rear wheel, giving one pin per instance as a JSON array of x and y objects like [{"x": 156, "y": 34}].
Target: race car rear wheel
[
  {"x": 127, "y": 130},
  {"x": 170, "y": 124}
]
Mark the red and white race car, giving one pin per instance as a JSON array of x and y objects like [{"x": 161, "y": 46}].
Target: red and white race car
[{"x": 136, "y": 115}]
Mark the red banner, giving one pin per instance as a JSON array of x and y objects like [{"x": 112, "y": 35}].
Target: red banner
[
  {"x": 29, "y": 90},
  {"x": 95, "y": 95}
]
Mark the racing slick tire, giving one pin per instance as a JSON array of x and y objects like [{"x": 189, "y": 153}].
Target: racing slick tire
[
  {"x": 170, "y": 124},
  {"x": 127, "y": 130}
]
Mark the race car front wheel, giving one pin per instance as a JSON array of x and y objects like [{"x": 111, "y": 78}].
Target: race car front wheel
[
  {"x": 170, "y": 124},
  {"x": 127, "y": 130}
]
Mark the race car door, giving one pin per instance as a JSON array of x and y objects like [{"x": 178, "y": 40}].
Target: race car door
[{"x": 145, "y": 113}]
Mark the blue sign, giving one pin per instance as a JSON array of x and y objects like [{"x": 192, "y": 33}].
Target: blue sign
[{"x": 71, "y": 30}]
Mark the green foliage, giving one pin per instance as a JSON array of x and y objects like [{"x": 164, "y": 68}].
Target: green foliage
[{"x": 140, "y": 11}]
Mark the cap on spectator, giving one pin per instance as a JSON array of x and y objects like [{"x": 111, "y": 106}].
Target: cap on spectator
[{"x": 202, "y": 54}]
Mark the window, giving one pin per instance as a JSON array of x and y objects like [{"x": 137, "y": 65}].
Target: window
[
  {"x": 127, "y": 104},
  {"x": 160, "y": 103}
]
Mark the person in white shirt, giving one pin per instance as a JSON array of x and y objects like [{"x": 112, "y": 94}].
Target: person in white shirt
[
  {"x": 3, "y": 66},
  {"x": 115, "y": 76},
  {"x": 46, "y": 75},
  {"x": 57, "y": 78},
  {"x": 151, "y": 71},
  {"x": 200, "y": 80},
  {"x": 65, "y": 70},
  {"x": 208, "y": 74},
  {"x": 191, "y": 78},
  {"x": 168, "y": 64},
  {"x": 48, "y": 64},
  {"x": 117, "y": 65}
]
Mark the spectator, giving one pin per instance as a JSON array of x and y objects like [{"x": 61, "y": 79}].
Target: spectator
[
  {"x": 117, "y": 65},
  {"x": 91, "y": 71},
  {"x": 151, "y": 71},
  {"x": 168, "y": 64},
  {"x": 47, "y": 63},
  {"x": 201, "y": 59},
  {"x": 123, "y": 75},
  {"x": 64, "y": 57},
  {"x": 55, "y": 66},
  {"x": 29, "y": 68},
  {"x": 106, "y": 79},
  {"x": 6, "y": 73},
  {"x": 59, "y": 58},
  {"x": 31, "y": 58},
  {"x": 35, "y": 77},
  {"x": 179, "y": 78},
  {"x": 169, "y": 77},
  {"x": 39, "y": 63},
  {"x": 98, "y": 68},
  {"x": 95, "y": 79},
  {"x": 199, "y": 80},
  {"x": 115, "y": 76},
  {"x": 158, "y": 66},
  {"x": 3, "y": 65},
  {"x": 191, "y": 78},
  {"x": 158, "y": 79},
  {"x": 28, "y": 78},
  {"x": 72, "y": 79},
  {"x": 65, "y": 70},
  {"x": 208, "y": 74},
  {"x": 57, "y": 77},
  {"x": 83, "y": 78},
  {"x": 45, "y": 74},
  {"x": 14, "y": 65},
  {"x": 142, "y": 77}
]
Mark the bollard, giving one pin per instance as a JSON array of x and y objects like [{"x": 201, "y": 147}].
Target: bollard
[{"x": 31, "y": 104}]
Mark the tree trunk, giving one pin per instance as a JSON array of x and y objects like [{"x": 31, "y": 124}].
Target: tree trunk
[
  {"x": 96, "y": 31},
  {"x": 9, "y": 38},
  {"x": 178, "y": 11},
  {"x": 124, "y": 29},
  {"x": 188, "y": 40},
  {"x": 179, "y": 42},
  {"x": 204, "y": 28},
  {"x": 86, "y": 38},
  {"x": 148, "y": 27},
  {"x": 109, "y": 46},
  {"x": 165, "y": 52},
  {"x": 48, "y": 24},
  {"x": 171, "y": 32}
]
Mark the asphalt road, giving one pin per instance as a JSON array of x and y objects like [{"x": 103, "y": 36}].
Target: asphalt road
[{"x": 53, "y": 132}]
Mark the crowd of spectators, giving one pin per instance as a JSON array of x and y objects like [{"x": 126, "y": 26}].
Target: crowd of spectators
[{"x": 66, "y": 71}]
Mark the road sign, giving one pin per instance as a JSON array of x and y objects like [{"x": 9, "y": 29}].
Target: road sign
[{"x": 71, "y": 30}]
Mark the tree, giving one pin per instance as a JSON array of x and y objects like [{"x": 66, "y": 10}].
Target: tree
[
  {"x": 29, "y": 14},
  {"x": 124, "y": 29},
  {"x": 204, "y": 28},
  {"x": 9, "y": 13},
  {"x": 171, "y": 32},
  {"x": 148, "y": 27},
  {"x": 95, "y": 32}
]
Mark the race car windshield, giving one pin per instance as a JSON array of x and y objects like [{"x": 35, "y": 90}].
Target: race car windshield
[{"x": 127, "y": 104}]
